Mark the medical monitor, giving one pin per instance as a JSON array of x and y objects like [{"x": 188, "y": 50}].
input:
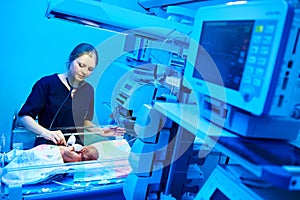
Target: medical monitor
[{"x": 237, "y": 52}]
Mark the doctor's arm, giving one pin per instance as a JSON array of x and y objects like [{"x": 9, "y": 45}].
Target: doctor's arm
[
  {"x": 109, "y": 131},
  {"x": 30, "y": 124}
]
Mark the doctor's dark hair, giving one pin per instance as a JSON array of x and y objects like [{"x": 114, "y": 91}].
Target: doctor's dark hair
[{"x": 81, "y": 49}]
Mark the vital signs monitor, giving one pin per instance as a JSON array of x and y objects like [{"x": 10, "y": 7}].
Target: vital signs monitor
[{"x": 242, "y": 60}]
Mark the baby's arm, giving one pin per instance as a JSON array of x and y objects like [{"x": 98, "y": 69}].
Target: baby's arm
[{"x": 68, "y": 154}]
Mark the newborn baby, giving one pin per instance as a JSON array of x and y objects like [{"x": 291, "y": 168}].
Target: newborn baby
[
  {"x": 42, "y": 157},
  {"x": 76, "y": 153}
]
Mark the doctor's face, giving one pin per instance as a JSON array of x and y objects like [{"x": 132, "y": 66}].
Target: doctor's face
[{"x": 83, "y": 66}]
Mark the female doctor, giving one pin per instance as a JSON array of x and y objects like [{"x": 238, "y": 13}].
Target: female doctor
[{"x": 60, "y": 101}]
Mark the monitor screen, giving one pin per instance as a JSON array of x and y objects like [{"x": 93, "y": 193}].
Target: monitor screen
[
  {"x": 227, "y": 42},
  {"x": 236, "y": 53}
]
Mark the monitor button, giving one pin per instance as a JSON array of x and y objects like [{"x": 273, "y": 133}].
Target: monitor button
[{"x": 248, "y": 93}]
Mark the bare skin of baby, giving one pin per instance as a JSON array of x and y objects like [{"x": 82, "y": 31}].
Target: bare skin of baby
[{"x": 69, "y": 154}]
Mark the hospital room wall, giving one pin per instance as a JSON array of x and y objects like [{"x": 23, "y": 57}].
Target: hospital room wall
[{"x": 33, "y": 46}]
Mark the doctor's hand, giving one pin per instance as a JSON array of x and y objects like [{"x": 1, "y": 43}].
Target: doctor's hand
[
  {"x": 111, "y": 131},
  {"x": 55, "y": 136}
]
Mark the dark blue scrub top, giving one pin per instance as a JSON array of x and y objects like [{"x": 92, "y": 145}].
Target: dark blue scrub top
[{"x": 48, "y": 94}]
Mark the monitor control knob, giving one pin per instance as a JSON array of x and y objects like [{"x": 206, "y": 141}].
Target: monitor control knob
[{"x": 248, "y": 93}]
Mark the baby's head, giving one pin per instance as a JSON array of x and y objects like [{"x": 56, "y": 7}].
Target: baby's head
[{"x": 89, "y": 153}]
